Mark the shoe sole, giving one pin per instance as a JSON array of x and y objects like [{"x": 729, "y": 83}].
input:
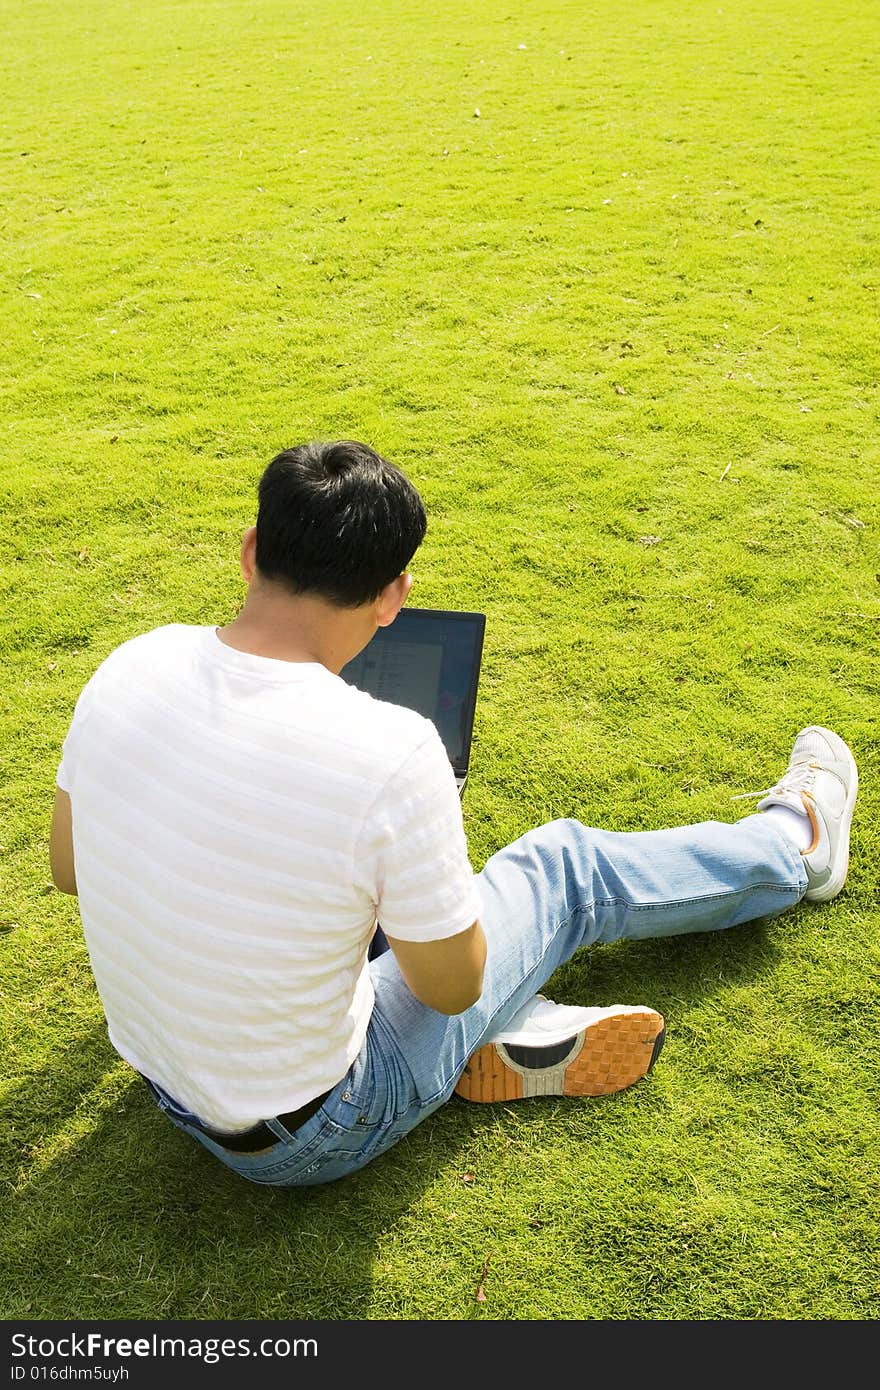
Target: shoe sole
[
  {"x": 605, "y": 1057},
  {"x": 841, "y": 865}
]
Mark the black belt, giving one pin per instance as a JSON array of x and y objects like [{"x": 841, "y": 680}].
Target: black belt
[{"x": 261, "y": 1136}]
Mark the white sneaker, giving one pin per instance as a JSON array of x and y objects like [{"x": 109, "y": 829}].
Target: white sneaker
[
  {"x": 821, "y": 780},
  {"x": 552, "y": 1049}
]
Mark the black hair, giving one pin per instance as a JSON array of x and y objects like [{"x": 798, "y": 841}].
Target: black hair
[{"x": 337, "y": 520}]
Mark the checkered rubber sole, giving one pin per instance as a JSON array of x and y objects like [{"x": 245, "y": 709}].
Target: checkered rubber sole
[{"x": 605, "y": 1057}]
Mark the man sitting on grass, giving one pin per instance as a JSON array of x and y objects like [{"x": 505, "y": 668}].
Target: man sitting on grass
[{"x": 237, "y": 819}]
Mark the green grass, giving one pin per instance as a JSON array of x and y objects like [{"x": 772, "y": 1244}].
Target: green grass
[{"x": 621, "y": 329}]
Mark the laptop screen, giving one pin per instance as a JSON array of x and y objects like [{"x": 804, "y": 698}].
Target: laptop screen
[{"x": 428, "y": 659}]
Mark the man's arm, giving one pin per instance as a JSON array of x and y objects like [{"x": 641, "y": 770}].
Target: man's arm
[
  {"x": 412, "y": 860},
  {"x": 445, "y": 975},
  {"x": 61, "y": 844}
]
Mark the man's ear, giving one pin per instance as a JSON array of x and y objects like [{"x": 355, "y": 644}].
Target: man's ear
[
  {"x": 249, "y": 553},
  {"x": 392, "y": 599}
]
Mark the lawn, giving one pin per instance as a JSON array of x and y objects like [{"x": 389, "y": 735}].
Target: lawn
[{"x": 603, "y": 280}]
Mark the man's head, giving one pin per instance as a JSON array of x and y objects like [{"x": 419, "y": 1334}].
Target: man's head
[{"x": 337, "y": 521}]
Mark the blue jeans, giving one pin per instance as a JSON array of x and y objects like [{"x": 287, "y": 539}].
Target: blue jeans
[{"x": 554, "y": 890}]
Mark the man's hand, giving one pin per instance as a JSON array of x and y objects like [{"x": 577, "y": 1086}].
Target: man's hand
[
  {"x": 61, "y": 844},
  {"x": 445, "y": 975}
]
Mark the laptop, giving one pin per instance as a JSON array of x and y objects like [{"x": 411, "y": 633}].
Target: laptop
[{"x": 428, "y": 659}]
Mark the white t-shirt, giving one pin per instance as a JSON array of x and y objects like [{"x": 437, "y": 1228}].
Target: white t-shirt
[{"x": 239, "y": 825}]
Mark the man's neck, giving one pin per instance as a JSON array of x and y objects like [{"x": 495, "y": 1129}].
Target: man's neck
[{"x": 298, "y": 628}]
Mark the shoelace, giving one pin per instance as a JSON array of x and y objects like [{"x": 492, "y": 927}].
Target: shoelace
[{"x": 798, "y": 778}]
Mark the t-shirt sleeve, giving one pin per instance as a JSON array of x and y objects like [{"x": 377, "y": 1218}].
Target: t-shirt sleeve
[
  {"x": 64, "y": 777},
  {"x": 412, "y": 855}
]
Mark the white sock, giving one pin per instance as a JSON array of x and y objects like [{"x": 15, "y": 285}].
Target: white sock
[{"x": 794, "y": 826}]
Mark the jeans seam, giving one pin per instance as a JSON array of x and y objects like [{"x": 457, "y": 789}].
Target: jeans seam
[{"x": 685, "y": 902}]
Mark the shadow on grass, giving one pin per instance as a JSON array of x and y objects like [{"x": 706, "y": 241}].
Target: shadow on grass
[
  {"x": 675, "y": 973},
  {"x": 116, "y": 1214}
]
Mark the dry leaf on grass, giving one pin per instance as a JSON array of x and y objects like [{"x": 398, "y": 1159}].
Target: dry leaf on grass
[{"x": 480, "y": 1295}]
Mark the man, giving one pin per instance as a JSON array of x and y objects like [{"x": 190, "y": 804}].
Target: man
[{"x": 237, "y": 820}]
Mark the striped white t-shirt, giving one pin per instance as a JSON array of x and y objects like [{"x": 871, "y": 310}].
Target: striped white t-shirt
[{"x": 239, "y": 825}]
